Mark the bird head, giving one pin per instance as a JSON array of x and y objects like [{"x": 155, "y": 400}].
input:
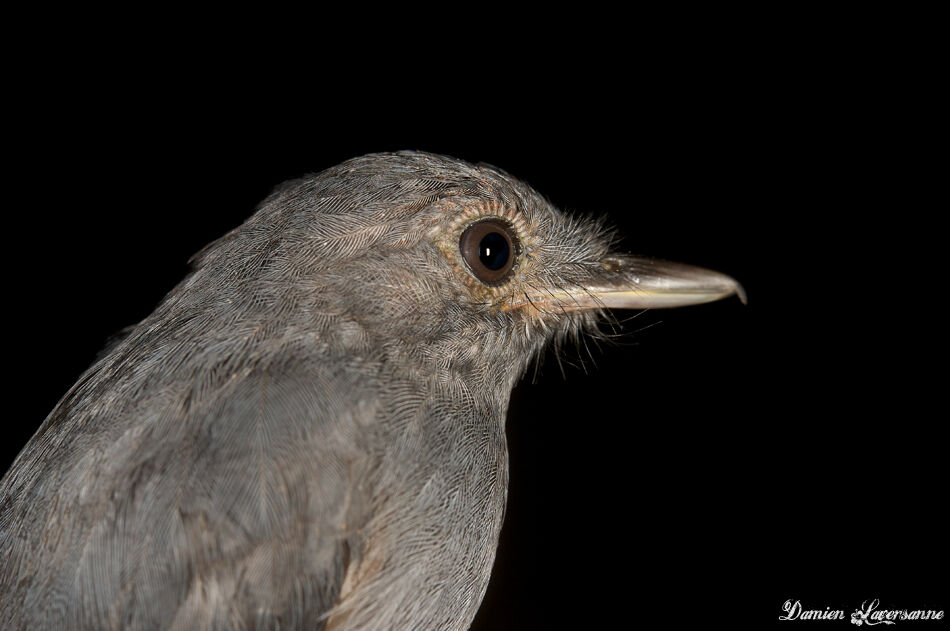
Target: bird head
[{"x": 433, "y": 259}]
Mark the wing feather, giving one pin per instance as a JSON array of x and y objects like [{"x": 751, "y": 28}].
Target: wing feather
[{"x": 235, "y": 508}]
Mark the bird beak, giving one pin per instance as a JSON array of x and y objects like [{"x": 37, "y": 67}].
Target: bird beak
[{"x": 626, "y": 282}]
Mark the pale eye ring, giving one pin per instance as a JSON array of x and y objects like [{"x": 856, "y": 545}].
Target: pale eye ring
[{"x": 489, "y": 248}]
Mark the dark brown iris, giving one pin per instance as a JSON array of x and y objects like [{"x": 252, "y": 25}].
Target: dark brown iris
[{"x": 490, "y": 248}]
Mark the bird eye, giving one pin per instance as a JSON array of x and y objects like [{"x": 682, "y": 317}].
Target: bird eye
[{"x": 489, "y": 248}]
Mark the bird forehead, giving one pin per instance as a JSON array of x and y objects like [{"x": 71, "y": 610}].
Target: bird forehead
[{"x": 419, "y": 205}]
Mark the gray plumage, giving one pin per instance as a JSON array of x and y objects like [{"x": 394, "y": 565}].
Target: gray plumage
[{"x": 308, "y": 432}]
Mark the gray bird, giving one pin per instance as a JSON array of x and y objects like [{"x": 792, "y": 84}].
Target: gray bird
[{"x": 308, "y": 432}]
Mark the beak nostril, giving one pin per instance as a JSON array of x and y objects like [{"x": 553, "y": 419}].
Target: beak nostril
[{"x": 611, "y": 264}]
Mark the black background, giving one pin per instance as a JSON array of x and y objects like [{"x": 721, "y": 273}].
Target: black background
[{"x": 713, "y": 462}]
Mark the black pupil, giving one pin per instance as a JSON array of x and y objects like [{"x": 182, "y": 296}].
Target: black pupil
[{"x": 493, "y": 251}]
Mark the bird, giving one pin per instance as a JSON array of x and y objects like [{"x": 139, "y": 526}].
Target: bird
[{"x": 308, "y": 432}]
